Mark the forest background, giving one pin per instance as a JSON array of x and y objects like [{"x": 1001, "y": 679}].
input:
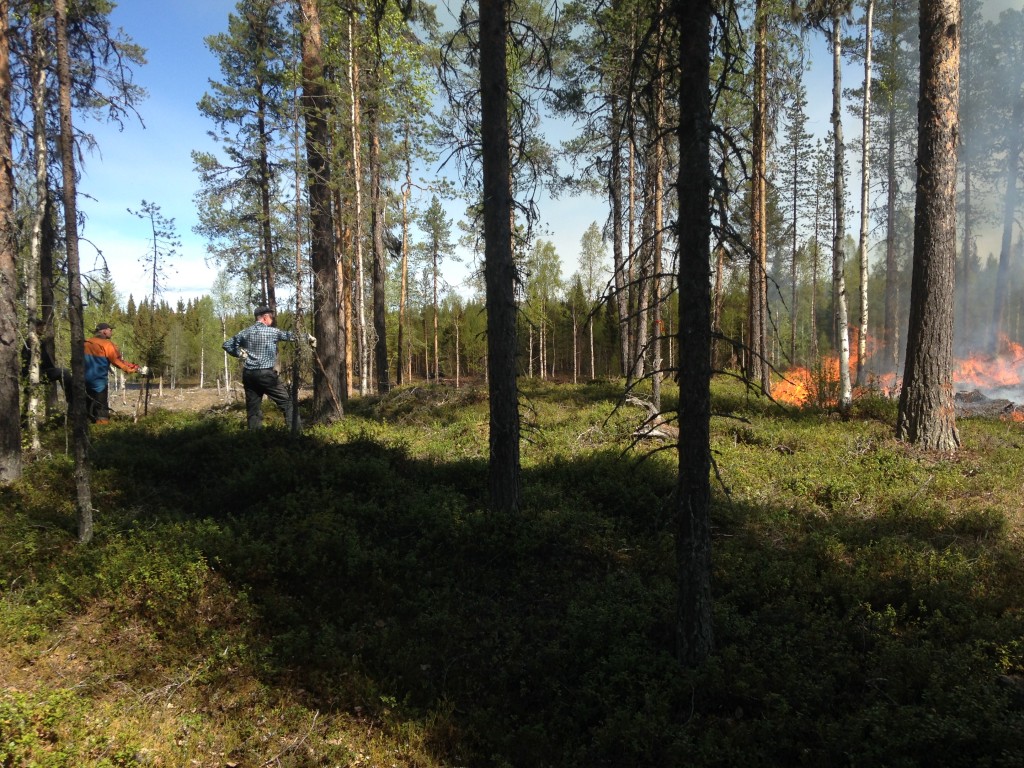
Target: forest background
[
  {"x": 200, "y": 286},
  {"x": 867, "y": 593}
]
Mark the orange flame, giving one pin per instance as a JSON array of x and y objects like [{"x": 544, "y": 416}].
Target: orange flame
[
  {"x": 802, "y": 386},
  {"x": 985, "y": 372}
]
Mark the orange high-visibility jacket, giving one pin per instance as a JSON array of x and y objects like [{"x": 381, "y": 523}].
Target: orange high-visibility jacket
[{"x": 100, "y": 354}]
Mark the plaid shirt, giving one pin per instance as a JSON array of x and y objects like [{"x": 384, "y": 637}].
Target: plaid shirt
[{"x": 260, "y": 343}]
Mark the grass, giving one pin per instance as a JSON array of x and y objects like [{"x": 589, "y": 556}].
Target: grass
[{"x": 344, "y": 599}]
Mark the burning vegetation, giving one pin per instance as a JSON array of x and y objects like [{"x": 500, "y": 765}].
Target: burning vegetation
[{"x": 986, "y": 384}]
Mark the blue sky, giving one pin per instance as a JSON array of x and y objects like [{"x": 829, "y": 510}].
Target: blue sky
[{"x": 153, "y": 162}]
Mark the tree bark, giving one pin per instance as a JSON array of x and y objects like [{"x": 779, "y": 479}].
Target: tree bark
[
  {"x": 380, "y": 267},
  {"x": 10, "y": 349},
  {"x": 80, "y": 426},
  {"x": 499, "y": 268},
  {"x": 33, "y": 272},
  {"x": 403, "y": 297},
  {"x": 658, "y": 170},
  {"x": 838, "y": 251},
  {"x": 926, "y": 416},
  {"x": 359, "y": 298},
  {"x": 758, "y": 369},
  {"x": 265, "y": 182},
  {"x": 865, "y": 176},
  {"x": 328, "y": 380},
  {"x": 618, "y": 260},
  {"x": 693, "y": 532}
]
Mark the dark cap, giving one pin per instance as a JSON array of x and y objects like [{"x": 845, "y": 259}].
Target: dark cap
[
  {"x": 103, "y": 327},
  {"x": 262, "y": 310}
]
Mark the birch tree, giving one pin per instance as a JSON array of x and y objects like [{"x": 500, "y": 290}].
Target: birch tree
[
  {"x": 593, "y": 269},
  {"x": 865, "y": 188}
]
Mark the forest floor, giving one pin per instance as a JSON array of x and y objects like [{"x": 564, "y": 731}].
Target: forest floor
[
  {"x": 344, "y": 598},
  {"x": 181, "y": 399}
]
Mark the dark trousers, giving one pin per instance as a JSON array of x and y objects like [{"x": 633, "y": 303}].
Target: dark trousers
[
  {"x": 265, "y": 382},
  {"x": 97, "y": 405}
]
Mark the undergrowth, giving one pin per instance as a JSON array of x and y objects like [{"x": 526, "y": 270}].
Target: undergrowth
[{"x": 344, "y": 598}]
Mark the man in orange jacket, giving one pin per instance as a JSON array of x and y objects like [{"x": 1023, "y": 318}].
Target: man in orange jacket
[{"x": 100, "y": 354}]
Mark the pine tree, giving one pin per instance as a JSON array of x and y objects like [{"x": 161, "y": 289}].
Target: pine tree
[
  {"x": 926, "y": 417},
  {"x": 10, "y": 362},
  {"x": 249, "y": 108},
  {"x": 795, "y": 185},
  {"x": 437, "y": 228},
  {"x": 163, "y": 244}
]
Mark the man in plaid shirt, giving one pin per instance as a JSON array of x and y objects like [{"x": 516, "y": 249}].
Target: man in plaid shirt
[{"x": 256, "y": 346}]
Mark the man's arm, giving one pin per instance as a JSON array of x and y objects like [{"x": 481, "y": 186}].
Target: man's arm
[
  {"x": 115, "y": 357},
  {"x": 231, "y": 346}
]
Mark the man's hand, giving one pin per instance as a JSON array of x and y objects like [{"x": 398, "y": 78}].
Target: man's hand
[
  {"x": 311, "y": 339},
  {"x": 243, "y": 354},
  {"x": 142, "y": 370}
]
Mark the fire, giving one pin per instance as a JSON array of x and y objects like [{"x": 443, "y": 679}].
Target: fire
[
  {"x": 986, "y": 373},
  {"x": 795, "y": 387}
]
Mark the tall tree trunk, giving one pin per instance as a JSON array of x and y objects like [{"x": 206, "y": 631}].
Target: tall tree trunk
[
  {"x": 345, "y": 286},
  {"x": 499, "y": 267},
  {"x": 694, "y": 631},
  {"x": 1013, "y": 149},
  {"x": 457, "y": 319},
  {"x": 658, "y": 171},
  {"x": 80, "y": 428},
  {"x": 265, "y": 182},
  {"x": 865, "y": 176},
  {"x": 796, "y": 167},
  {"x": 718, "y": 301},
  {"x": 815, "y": 264},
  {"x": 575, "y": 347},
  {"x": 46, "y": 290},
  {"x": 33, "y": 272},
  {"x": 890, "y": 326},
  {"x": 300, "y": 323},
  {"x": 618, "y": 259},
  {"x": 227, "y": 369},
  {"x": 328, "y": 378},
  {"x": 403, "y": 298},
  {"x": 966, "y": 160},
  {"x": 590, "y": 339},
  {"x": 380, "y": 266},
  {"x": 925, "y": 415},
  {"x": 634, "y": 278},
  {"x": 759, "y": 369},
  {"x": 436, "y": 277},
  {"x": 357, "y": 214},
  {"x": 529, "y": 348},
  {"x": 838, "y": 250},
  {"x": 10, "y": 357}
]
